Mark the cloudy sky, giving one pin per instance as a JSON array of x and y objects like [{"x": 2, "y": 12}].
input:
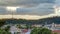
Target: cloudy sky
[{"x": 28, "y": 7}]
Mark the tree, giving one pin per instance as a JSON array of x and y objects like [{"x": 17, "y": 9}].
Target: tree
[
  {"x": 2, "y": 31},
  {"x": 28, "y": 26},
  {"x": 2, "y": 22},
  {"x": 7, "y": 28},
  {"x": 55, "y": 33},
  {"x": 19, "y": 26},
  {"x": 41, "y": 31}
]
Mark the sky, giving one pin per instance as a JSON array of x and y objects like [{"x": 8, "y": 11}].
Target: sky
[{"x": 28, "y": 7}]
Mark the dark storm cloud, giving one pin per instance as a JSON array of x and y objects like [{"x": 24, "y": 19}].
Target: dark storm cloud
[
  {"x": 4, "y": 11},
  {"x": 30, "y": 7},
  {"x": 42, "y": 9},
  {"x": 27, "y": 3}
]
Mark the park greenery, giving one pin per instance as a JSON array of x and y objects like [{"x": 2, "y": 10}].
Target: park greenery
[
  {"x": 5, "y": 30},
  {"x": 41, "y": 31},
  {"x": 2, "y": 22}
]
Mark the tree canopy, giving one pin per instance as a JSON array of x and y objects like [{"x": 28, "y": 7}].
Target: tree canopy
[{"x": 41, "y": 31}]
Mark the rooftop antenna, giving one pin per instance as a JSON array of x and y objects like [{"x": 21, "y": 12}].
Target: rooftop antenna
[{"x": 12, "y": 10}]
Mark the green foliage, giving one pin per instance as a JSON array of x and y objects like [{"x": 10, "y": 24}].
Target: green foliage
[
  {"x": 40, "y": 31},
  {"x": 2, "y": 31},
  {"x": 2, "y": 22},
  {"x": 19, "y": 26},
  {"x": 28, "y": 26},
  {"x": 55, "y": 33},
  {"x": 7, "y": 28},
  {"x": 49, "y": 20}
]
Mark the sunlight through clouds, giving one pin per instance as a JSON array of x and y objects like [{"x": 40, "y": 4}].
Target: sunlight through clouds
[{"x": 12, "y": 8}]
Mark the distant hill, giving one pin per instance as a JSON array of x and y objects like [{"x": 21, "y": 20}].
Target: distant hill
[{"x": 48, "y": 20}]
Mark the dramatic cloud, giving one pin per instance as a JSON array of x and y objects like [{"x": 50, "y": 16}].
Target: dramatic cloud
[
  {"x": 30, "y": 7},
  {"x": 41, "y": 9},
  {"x": 27, "y": 3}
]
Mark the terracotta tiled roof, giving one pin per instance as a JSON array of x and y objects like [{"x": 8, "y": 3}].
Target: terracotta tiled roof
[
  {"x": 56, "y": 31},
  {"x": 25, "y": 30}
]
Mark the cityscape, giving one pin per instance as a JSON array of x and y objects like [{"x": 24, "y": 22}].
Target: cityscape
[{"x": 29, "y": 16}]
